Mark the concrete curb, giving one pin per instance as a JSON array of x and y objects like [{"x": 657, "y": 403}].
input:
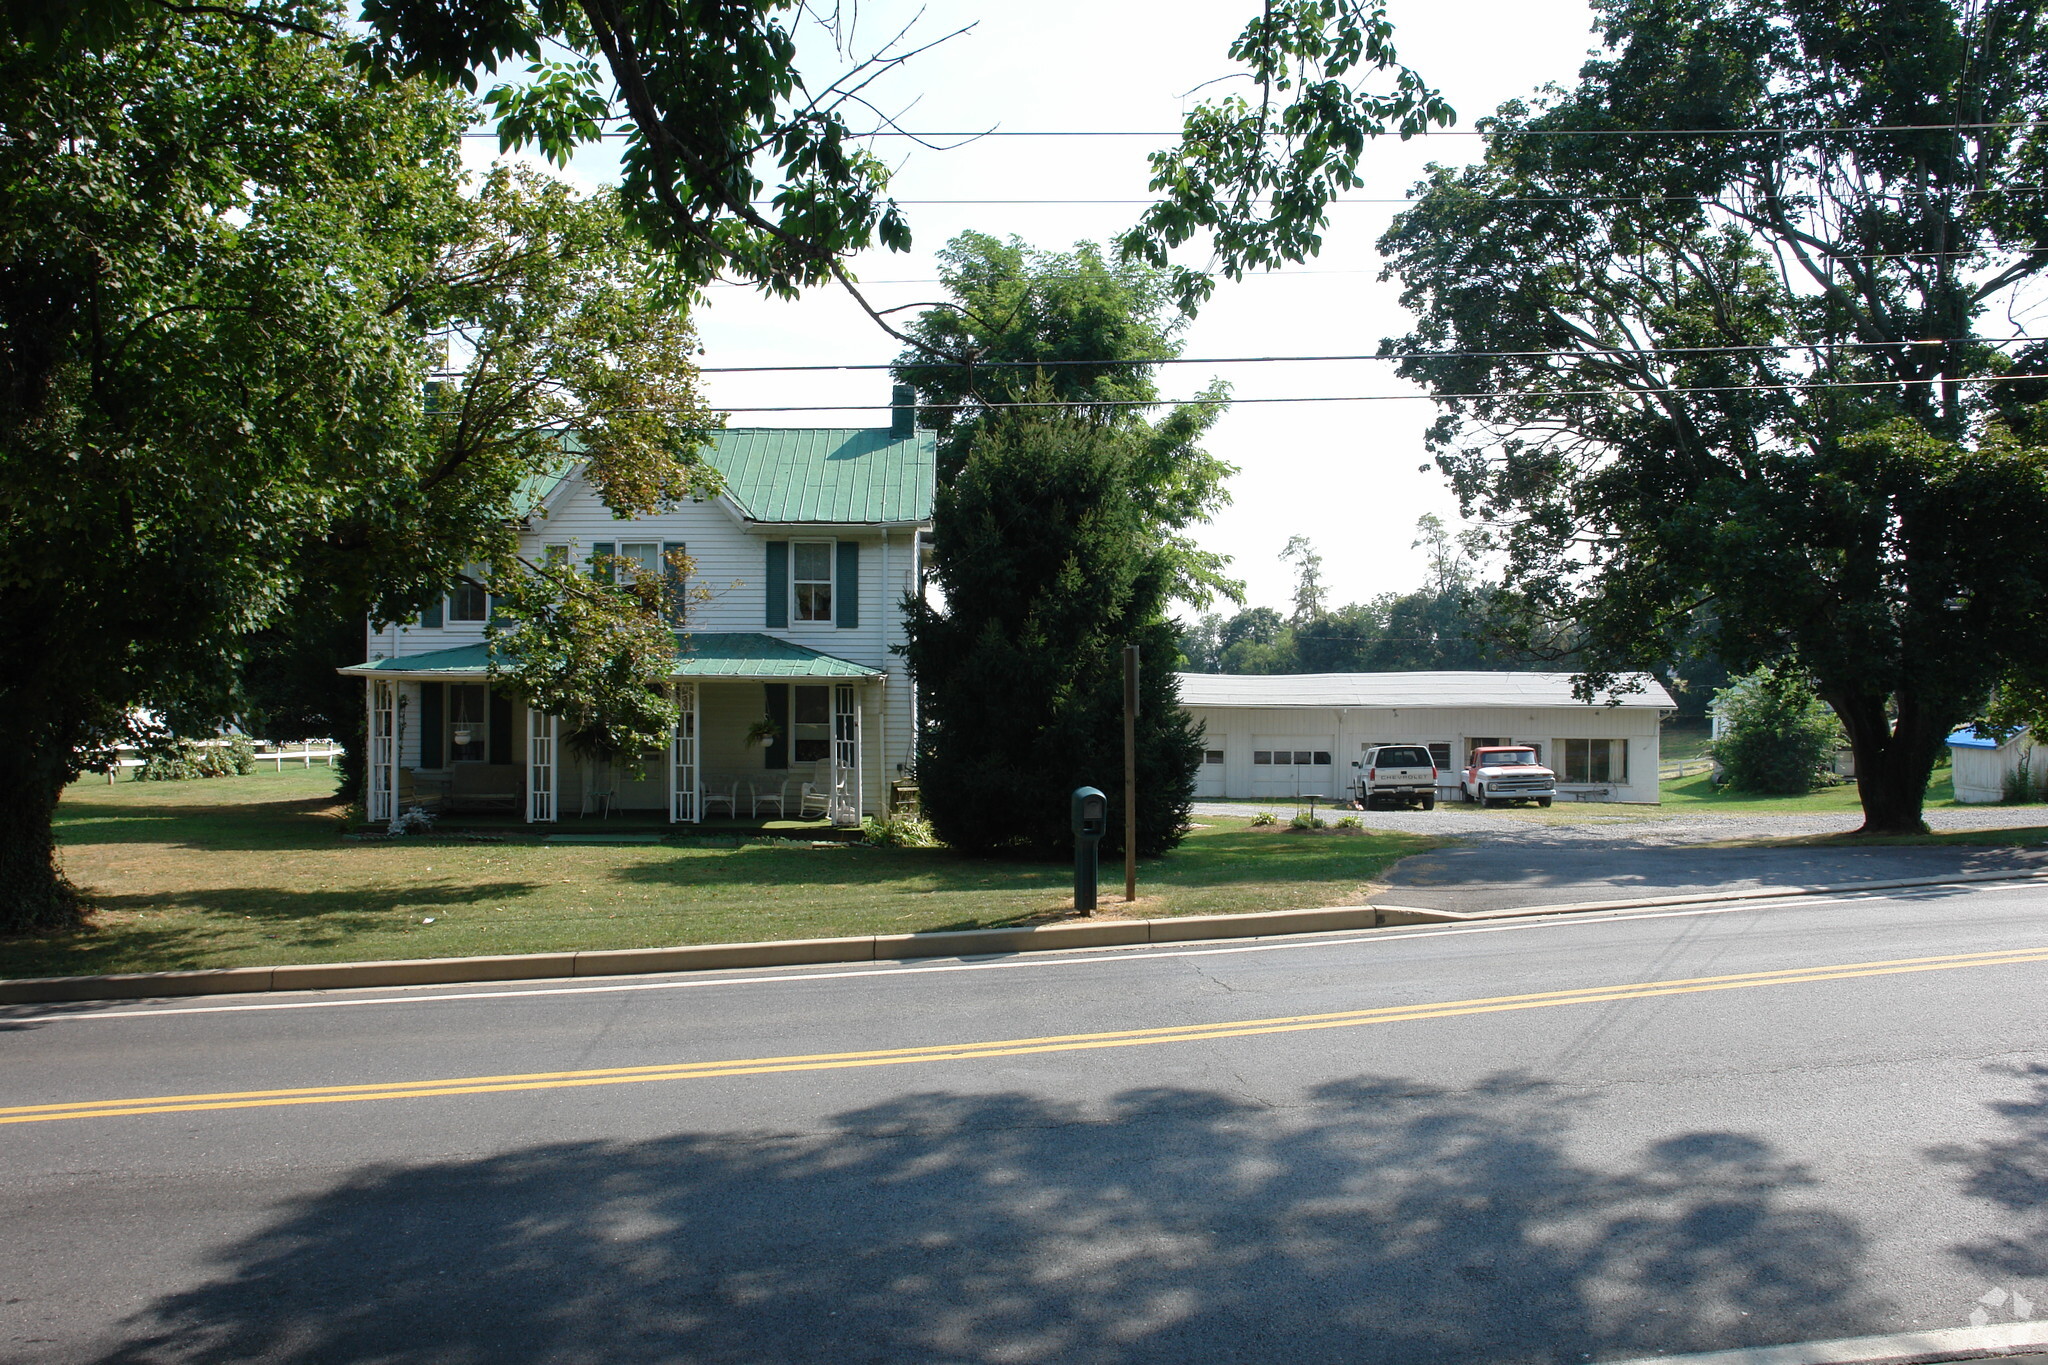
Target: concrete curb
[
  {"x": 706, "y": 957},
  {"x": 445, "y": 971},
  {"x": 1904, "y": 1348}
]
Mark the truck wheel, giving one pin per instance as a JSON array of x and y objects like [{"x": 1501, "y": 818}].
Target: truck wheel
[
  {"x": 1544, "y": 802},
  {"x": 1429, "y": 803}
]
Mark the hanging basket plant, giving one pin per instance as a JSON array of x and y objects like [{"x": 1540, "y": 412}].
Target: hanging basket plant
[{"x": 763, "y": 733}]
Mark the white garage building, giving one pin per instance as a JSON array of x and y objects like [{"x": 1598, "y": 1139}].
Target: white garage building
[{"x": 1298, "y": 734}]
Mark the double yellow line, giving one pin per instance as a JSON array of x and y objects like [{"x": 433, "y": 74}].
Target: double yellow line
[{"x": 1002, "y": 1047}]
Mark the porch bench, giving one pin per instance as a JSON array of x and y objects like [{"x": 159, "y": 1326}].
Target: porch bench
[{"x": 484, "y": 787}]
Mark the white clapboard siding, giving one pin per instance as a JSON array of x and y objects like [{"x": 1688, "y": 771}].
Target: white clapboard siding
[{"x": 730, "y": 568}]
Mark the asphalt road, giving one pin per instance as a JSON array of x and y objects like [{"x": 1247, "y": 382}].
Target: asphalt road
[
  {"x": 1735, "y": 1125},
  {"x": 1504, "y": 874}
]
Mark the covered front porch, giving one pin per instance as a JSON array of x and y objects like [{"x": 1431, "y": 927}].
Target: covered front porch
[{"x": 768, "y": 731}]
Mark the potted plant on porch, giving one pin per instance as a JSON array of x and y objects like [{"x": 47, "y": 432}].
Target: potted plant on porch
[{"x": 763, "y": 732}]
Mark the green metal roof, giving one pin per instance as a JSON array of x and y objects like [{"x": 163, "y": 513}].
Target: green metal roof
[
  {"x": 742, "y": 655},
  {"x": 830, "y": 476},
  {"x": 738, "y": 655},
  {"x": 463, "y": 659},
  {"x": 827, "y": 475}
]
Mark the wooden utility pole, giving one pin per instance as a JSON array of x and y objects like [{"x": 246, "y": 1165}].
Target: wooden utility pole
[{"x": 1130, "y": 773}]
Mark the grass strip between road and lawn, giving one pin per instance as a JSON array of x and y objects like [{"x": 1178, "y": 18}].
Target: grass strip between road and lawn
[{"x": 254, "y": 871}]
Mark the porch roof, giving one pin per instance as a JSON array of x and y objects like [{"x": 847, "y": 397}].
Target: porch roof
[{"x": 735, "y": 657}]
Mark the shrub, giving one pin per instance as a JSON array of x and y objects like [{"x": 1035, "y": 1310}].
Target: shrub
[
  {"x": 1263, "y": 819},
  {"x": 899, "y": 831},
  {"x": 1307, "y": 820},
  {"x": 185, "y": 760},
  {"x": 413, "y": 820},
  {"x": 1776, "y": 737},
  {"x": 2021, "y": 787},
  {"x": 1351, "y": 822}
]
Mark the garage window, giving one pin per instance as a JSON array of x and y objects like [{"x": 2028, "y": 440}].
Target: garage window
[
  {"x": 1323, "y": 757},
  {"x": 1593, "y": 760},
  {"x": 1263, "y": 757},
  {"x": 1440, "y": 754},
  {"x": 1212, "y": 755}
]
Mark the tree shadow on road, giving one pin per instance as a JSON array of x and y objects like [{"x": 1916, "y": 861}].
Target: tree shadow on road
[
  {"x": 2012, "y": 1173},
  {"x": 1377, "y": 1221}
]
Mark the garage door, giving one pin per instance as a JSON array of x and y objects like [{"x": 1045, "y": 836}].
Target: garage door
[
  {"x": 1289, "y": 765},
  {"x": 1209, "y": 780}
]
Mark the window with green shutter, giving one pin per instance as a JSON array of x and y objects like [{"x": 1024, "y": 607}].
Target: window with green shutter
[
  {"x": 848, "y": 615},
  {"x": 778, "y": 585}
]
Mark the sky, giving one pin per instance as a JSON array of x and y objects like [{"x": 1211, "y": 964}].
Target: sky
[{"x": 1348, "y": 475}]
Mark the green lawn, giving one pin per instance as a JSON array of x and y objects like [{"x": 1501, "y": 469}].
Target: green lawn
[
  {"x": 1684, "y": 795},
  {"x": 1683, "y": 742},
  {"x": 254, "y": 871}
]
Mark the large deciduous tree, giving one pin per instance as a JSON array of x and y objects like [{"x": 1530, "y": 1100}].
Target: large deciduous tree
[
  {"x": 229, "y": 269},
  {"x": 1046, "y": 567},
  {"x": 1733, "y": 384}
]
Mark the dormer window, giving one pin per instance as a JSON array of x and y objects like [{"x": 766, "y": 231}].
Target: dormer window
[{"x": 811, "y": 576}]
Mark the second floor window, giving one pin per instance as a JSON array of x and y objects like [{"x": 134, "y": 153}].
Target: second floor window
[
  {"x": 643, "y": 556},
  {"x": 468, "y": 601},
  {"x": 811, "y": 573}
]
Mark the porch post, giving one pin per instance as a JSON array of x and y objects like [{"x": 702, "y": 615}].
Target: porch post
[
  {"x": 380, "y": 783},
  {"x": 541, "y": 766},
  {"x": 683, "y": 782},
  {"x": 846, "y": 793}
]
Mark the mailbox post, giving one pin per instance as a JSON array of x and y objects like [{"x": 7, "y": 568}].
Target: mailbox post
[{"x": 1091, "y": 820}]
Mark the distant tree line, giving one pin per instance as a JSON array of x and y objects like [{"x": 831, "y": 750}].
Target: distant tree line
[{"x": 1437, "y": 626}]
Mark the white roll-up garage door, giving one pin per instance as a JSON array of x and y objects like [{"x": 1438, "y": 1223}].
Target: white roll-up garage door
[{"x": 1289, "y": 765}]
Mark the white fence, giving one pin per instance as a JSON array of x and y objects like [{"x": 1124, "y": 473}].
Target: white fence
[{"x": 305, "y": 754}]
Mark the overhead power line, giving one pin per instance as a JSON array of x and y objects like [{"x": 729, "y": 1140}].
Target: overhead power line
[
  {"x": 1449, "y": 132},
  {"x": 1300, "y": 274},
  {"x": 1800, "y": 387},
  {"x": 1412, "y": 199},
  {"x": 1397, "y": 355}
]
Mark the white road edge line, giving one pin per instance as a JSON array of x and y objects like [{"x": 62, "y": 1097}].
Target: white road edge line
[
  {"x": 1083, "y": 957},
  {"x": 1952, "y": 1343}
]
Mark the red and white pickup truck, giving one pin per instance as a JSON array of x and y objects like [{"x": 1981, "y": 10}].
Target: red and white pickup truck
[{"x": 1510, "y": 772}]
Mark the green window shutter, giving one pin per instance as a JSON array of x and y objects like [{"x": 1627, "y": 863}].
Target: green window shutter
[
  {"x": 776, "y": 755},
  {"x": 778, "y": 585},
  {"x": 432, "y": 695},
  {"x": 846, "y": 588},
  {"x": 501, "y": 730},
  {"x": 673, "y": 582},
  {"x": 431, "y": 617},
  {"x": 601, "y": 567}
]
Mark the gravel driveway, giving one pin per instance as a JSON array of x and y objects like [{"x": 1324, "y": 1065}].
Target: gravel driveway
[
  {"x": 1510, "y": 858},
  {"x": 1633, "y": 826}
]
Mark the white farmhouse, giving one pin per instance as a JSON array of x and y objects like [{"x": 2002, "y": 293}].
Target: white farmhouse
[
  {"x": 803, "y": 563},
  {"x": 1299, "y": 734}
]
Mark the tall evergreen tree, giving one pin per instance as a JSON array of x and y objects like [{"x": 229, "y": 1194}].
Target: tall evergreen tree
[{"x": 1048, "y": 567}]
